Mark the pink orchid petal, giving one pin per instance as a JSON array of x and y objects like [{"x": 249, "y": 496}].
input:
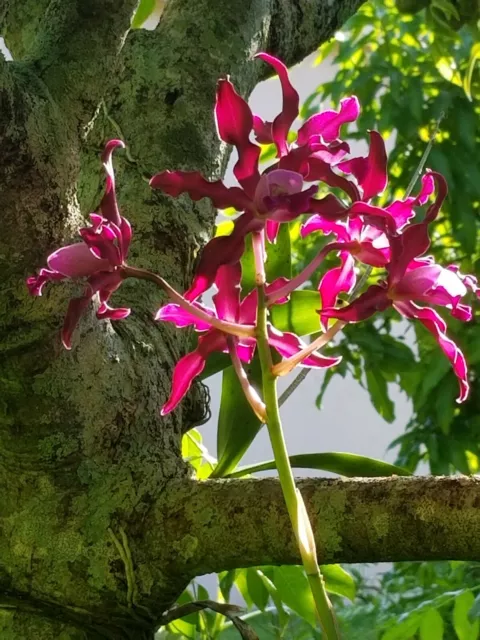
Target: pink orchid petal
[
  {"x": 374, "y": 299},
  {"x": 126, "y": 237},
  {"x": 433, "y": 284},
  {"x": 105, "y": 283},
  {"x": 176, "y": 182},
  {"x": 338, "y": 280},
  {"x": 282, "y": 123},
  {"x": 227, "y": 299},
  {"x": 186, "y": 369},
  {"x": 437, "y": 327},
  {"x": 105, "y": 312},
  {"x": 328, "y": 123},
  {"x": 36, "y": 283},
  {"x": 272, "y": 228},
  {"x": 182, "y": 318},
  {"x": 289, "y": 344},
  {"x": 76, "y": 308},
  {"x": 277, "y": 285},
  {"x": 332, "y": 153},
  {"x": 370, "y": 172},
  {"x": 283, "y": 181},
  {"x": 108, "y": 205},
  {"x": 104, "y": 242},
  {"x": 76, "y": 261},
  {"x": 234, "y": 123},
  {"x": 327, "y": 227},
  {"x": 245, "y": 351},
  {"x": 248, "y": 308}
]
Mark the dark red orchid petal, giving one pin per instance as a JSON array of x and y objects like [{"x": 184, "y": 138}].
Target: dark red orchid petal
[
  {"x": 282, "y": 123},
  {"x": 108, "y": 205},
  {"x": 404, "y": 248},
  {"x": 442, "y": 191},
  {"x": 330, "y": 207},
  {"x": 370, "y": 172},
  {"x": 235, "y": 123},
  {"x": 76, "y": 308},
  {"x": 285, "y": 208},
  {"x": 192, "y": 182},
  {"x": 192, "y": 365},
  {"x": 220, "y": 251},
  {"x": 376, "y": 216},
  {"x": 437, "y": 327},
  {"x": 374, "y": 299},
  {"x": 328, "y": 123},
  {"x": 262, "y": 130},
  {"x": 318, "y": 170},
  {"x": 104, "y": 243}
]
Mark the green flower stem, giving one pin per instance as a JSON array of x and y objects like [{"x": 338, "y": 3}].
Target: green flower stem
[{"x": 293, "y": 498}]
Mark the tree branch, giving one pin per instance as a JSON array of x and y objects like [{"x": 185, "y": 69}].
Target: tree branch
[
  {"x": 224, "y": 524},
  {"x": 309, "y": 25}
]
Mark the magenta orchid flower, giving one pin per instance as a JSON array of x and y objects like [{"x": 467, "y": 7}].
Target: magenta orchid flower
[
  {"x": 272, "y": 198},
  {"x": 99, "y": 258},
  {"x": 412, "y": 278},
  {"x": 230, "y": 308}
]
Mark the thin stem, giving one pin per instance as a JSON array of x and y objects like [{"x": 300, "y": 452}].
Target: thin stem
[
  {"x": 304, "y": 275},
  {"x": 284, "y": 367},
  {"x": 231, "y": 328},
  {"x": 293, "y": 499},
  {"x": 250, "y": 393}
]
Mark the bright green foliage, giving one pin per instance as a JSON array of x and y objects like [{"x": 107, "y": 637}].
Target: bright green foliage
[{"x": 406, "y": 75}]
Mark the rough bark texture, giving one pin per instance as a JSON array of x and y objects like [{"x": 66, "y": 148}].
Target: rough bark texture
[
  {"x": 85, "y": 459},
  {"x": 355, "y": 520}
]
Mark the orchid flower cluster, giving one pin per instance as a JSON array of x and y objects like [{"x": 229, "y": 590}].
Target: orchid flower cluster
[{"x": 360, "y": 231}]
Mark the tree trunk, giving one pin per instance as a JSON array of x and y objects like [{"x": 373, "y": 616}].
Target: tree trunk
[{"x": 84, "y": 455}]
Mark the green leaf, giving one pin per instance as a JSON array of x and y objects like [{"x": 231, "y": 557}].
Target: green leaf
[
  {"x": 345, "y": 464},
  {"x": 464, "y": 629},
  {"x": 237, "y": 423},
  {"x": 144, "y": 11},
  {"x": 256, "y": 589},
  {"x": 474, "y": 56},
  {"x": 194, "y": 452},
  {"x": 474, "y": 612},
  {"x": 299, "y": 315},
  {"x": 378, "y": 390},
  {"x": 294, "y": 590},
  {"x": 405, "y": 630},
  {"x": 216, "y": 362},
  {"x": 431, "y": 626},
  {"x": 339, "y": 581}
]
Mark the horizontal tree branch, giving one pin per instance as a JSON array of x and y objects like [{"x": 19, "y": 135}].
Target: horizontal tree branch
[{"x": 233, "y": 523}]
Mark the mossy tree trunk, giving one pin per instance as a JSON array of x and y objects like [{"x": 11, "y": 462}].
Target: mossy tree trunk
[{"x": 85, "y": 459}]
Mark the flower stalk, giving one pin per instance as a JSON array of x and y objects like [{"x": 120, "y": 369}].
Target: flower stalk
[
  {"x": 293, "y": 498},
  {"x": 231, "y": 328}
]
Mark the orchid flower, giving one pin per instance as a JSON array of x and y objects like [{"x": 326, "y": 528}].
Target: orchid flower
[
  {"x": 230, "y": 308},
  {"x": 272, "y": 198},
  {"x": 412, "y": 278},
  {"x": 99, "y": 258}
]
